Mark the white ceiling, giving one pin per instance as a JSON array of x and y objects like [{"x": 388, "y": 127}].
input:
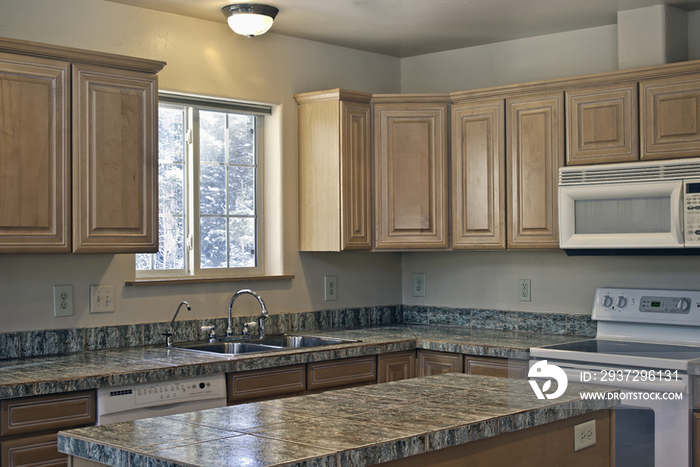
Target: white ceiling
[{"x": 404, "y": 28}]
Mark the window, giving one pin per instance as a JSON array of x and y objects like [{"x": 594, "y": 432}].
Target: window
[{"x": 210, "y": 190}]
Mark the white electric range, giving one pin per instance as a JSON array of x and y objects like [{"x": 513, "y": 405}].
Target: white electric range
[{"x": 643, "y": 345}]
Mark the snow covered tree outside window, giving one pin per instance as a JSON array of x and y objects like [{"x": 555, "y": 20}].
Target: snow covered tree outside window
[{"x": 208, "y": 192}]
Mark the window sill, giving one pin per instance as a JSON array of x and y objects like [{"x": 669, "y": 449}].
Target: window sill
[{"x": 203, "y": 280}]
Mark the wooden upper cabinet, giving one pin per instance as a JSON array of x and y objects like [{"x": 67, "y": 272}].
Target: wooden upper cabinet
[
  {"x": 535, "y": 151},
  {"x": 115, "y": 160},
  {"x": 670, "y": 117},
  {"x": 478, "y": 175},
  {"x": 335, "y": 212},
  {"x": 34, "y": 155},
  {"x": 602, "y": 124},
  {"x": 411, "y": 174}
]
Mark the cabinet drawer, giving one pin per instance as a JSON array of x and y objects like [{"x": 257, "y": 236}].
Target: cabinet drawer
[
  {"x": 54, "y": 412},
  {"x": 34, "y": 451},
  {"x": 500, "y": 367},
  {"x": 436, "y": 363},
  {"x": 266, "y": 383},
  {"x": 396, "y": 366},
  {"x": 342, "y": 372}
]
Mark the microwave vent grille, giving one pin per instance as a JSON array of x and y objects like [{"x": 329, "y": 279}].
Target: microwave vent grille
[{"x": 629, "y": 173}]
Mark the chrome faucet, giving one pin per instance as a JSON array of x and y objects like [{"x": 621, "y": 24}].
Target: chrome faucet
[
  {"x": 261, "y": 318},
  {"x": 169, "y": 335}
]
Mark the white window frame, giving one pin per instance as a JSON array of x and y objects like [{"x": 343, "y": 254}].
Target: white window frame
[{"x": 193, "y": 104}]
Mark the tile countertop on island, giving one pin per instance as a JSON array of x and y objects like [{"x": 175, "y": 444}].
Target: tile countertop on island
[
  {"x": 118, "y": 367},
  {"x": 347, "y": 427}
]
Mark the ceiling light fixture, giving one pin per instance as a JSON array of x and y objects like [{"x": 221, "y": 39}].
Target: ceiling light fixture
[{"x": 250, "y": 19}]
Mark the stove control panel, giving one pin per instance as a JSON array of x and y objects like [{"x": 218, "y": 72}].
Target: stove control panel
[{"x": 647, "y": 306}]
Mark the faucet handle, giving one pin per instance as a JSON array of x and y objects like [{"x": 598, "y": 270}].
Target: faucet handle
[
  {"x": 211, "y": 331},
  {"x": 168, "y": 338},
  {"x": 246, "y": 331}
]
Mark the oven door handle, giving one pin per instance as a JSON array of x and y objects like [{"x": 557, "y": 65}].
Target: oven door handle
[{"x": 574, "y": 376}]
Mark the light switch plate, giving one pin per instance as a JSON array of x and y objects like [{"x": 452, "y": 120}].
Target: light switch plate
[
  {"x": 584, "y": 435},
  {"x": 419, "y": 284},
  {"x": 102, "y": 299},
  {"x": 331, "y": 288},
  {"x": 62, "y": 300}
]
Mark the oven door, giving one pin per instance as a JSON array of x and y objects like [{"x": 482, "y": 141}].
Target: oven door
[
  {"x": 648, "y": 431},
  {"x": 624, "y": 215}
]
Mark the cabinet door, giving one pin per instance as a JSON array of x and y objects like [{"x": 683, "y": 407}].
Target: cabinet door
[
  {"x": 34, "y": 451},
  {"x": 499, "y": 367},
  {"x": 51, "y": 412},
  {"x": 345, "y": 372},
  {"x": 696, "y": 439},
  {"x": 670, "y": 117},
  {"x": 410, "y": 175},
  {"x": 356, "y": 176},
  {"x": 602, "y": 124},
  {"x": 535, "y": 149},
  {"x": 478, "y": 175},
  {"x": 436, "y": 363},
  {"x": 115, "y": 161},
  {"x": 34, "y": 155},
  {"x": 396, "y": 366},
  {"x": 259, "y": 384}
]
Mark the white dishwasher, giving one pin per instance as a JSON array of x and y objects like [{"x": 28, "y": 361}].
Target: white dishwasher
[{"x": 135, "y": 401}]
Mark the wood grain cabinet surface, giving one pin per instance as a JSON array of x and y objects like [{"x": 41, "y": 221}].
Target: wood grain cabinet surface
[
  {"x": 396, "y": 366},
  {"x": 535, "y": 151},
  {"x": 696, "y": 439},
  {"x": 602, "y": 124},
  {"x": 34, "y": 451},
  {"x": 429, "y": 362},
  {"x": 342, "y": 373},
  {"x": 478, "y": 175},
  {"x": 335, "y": 178},
  {"x": 34, "y": 155},
  {"x": 78, "y": 150},
  {"x": 265, "y": 384},
  {"x": 499, "y": 367},
  {"x": 411, "y": 175},
  {"x": 670, "y": 117}
]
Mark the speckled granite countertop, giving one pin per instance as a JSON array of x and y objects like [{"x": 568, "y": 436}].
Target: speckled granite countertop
[
  {"x": 348, "y": 427},
  {"x": 118, "y": 367}
]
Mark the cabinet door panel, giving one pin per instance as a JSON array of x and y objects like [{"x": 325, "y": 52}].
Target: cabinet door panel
[
  {"x": 535, "y": 148},
  {"x": 34, "y": 155},
  {"x": 356, "y": 176},
  {"x": 259, "y": 384},
  {"x": 499, "y": 367},
  {"x": 346, "y": 372},
  {"x": 34, "y": 451},
  {"x": 37, "y": 413},
  {"x": 670, "y": 117},
  {"x": 115, "y": 161},
  {"x": 436, "y": 363},
  {"x": 396, "y": 366},
  {"x": 411, "y": 175},
  {"x": 478, "y": 175},
  {"x": 602, "y": 125}
]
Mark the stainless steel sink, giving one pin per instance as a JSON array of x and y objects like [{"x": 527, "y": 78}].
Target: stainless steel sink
[{"x": 237, "y": 345}]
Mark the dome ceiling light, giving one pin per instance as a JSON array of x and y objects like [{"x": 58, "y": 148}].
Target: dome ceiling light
[{"x": 250, "y": 19}]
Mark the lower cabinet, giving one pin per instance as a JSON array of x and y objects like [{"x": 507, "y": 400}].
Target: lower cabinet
[
  {"x": 342, "y": 373},
  {"x": 492, "y": 366},
  {"x": 396, "y": 366},
  {"x": 696, "y": 439},
  {"x": 429, "y": 362},
  {"x": 29, "y": 427},
  {"x": 266, "y": 384}
]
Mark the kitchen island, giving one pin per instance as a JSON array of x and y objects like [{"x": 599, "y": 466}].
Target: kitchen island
[{"x": 406, "y": 421}]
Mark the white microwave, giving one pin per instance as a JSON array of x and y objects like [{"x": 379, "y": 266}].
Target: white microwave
[{"x": 630, "y": 206}]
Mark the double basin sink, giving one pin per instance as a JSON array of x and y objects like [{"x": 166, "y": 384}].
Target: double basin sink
[{"x": 237, "y": 345}]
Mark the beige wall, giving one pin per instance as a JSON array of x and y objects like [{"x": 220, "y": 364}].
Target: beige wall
[
  {"x": 544, "y": 57},
  {"x": 206, "y": 58}
]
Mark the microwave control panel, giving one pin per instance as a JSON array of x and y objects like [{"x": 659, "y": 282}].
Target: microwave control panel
[{"x": 691, "y": 213}]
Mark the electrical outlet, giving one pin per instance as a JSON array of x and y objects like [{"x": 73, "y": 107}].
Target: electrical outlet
[
  {"x": 62, "y": 300},
  {"x": 331, "y": 288},
  {"x": 524, "y": 290},
  {"x": 584, "y": 435},
  {"x": 419, "y": 284},
  {"x": 102, "y": 299}
]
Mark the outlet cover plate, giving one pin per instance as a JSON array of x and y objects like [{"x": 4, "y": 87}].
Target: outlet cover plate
[
  {"x": 584, "y": 435},
  {"x": 419, "y": 284},
  {"x": 62, "y": 300},
  {"x": 331, "y": 288},
  {"x": 102, "y": 299},
  {"x": 524, "y": 290}
]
